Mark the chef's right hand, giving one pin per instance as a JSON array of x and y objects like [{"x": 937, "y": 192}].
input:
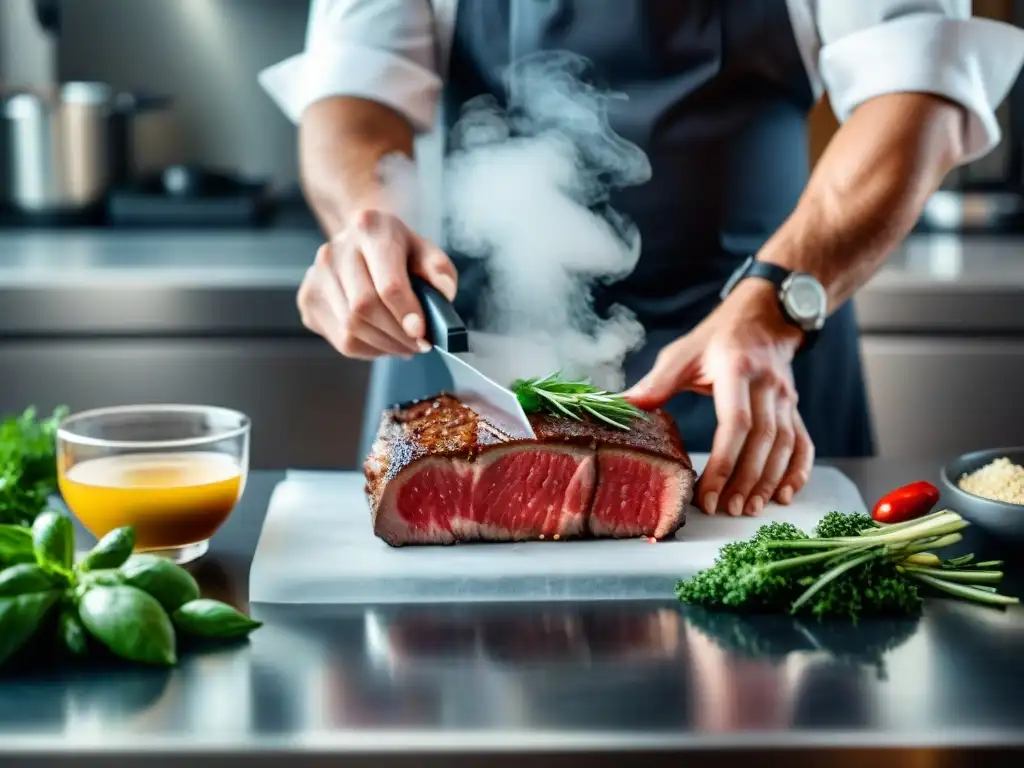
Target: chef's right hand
[{"x": 357, "y": 293}]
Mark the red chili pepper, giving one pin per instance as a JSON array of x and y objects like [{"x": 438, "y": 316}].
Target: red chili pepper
[{"x": 906, "y": 503}]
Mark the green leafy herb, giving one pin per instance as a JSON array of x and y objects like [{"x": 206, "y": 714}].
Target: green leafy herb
[
  {"x": 852, "y": 568},
  {"x": 24, "y": 578},
  {"x": 20, "y": 617},
  {"x": 15, "y": 545},
  {"x": 110, "y": 551},
  {"x": 130, "y": 623},
  {"x": 28, "y": 465},
  {"x": 53, "y": 538},
  {"x": 170, "y": 584},
  {"x": 575, "y": 400},
  {"x": 212, "y": 618},
  {"x": 123, "y": 601},
  {"x": 72, "y": 632},
  {"x": 107, "y": 577}
]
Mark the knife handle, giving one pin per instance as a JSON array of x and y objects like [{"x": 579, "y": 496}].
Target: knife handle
[{"x": 445, "y": 329}]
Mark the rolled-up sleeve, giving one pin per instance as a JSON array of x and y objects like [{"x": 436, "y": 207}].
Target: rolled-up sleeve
[
  {"x": 382, "y": 50},
  {"x": 867, "y": 48}
]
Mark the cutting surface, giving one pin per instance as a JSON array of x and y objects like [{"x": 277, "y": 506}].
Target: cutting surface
[{"x": 317, "y": 546}]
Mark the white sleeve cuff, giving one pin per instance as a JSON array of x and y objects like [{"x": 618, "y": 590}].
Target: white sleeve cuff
[
  {"x": 353, "y": 70},
  {"x": 973, "y": 62}
]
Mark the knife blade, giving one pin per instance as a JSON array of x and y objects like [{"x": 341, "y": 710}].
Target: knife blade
[{"x": 448, "y": 334}]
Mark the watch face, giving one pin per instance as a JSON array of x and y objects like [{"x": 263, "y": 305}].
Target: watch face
[{"x": 805, "y": 300}]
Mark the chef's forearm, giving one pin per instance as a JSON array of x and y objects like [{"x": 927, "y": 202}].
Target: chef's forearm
[
  {"x": 868, "y": 190},
  {"x": 341, "y": 143}
]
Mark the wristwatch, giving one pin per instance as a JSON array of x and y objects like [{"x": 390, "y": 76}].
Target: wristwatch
[{"x": 802, "y": 298}]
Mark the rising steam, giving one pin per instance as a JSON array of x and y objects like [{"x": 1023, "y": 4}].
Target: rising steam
[{"x": 526, "y": 190}]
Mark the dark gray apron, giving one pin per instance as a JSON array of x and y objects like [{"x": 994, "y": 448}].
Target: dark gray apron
[{"x": 718, "y": 99}]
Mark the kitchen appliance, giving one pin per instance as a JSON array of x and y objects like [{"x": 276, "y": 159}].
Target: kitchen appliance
[
  {"x": 317, "y": 546},
  {"x": 447, "y": 332},
  {"x": 190, "y": 196},
  {"x": 63, "y": 150}
]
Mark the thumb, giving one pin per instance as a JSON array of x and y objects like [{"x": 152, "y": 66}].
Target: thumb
[
  {"x": 672, "y": 373},
  {"x": 433, "y": 265}
]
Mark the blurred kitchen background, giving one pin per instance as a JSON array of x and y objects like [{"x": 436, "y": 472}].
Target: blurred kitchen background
[{"x": 153, "y": 254}]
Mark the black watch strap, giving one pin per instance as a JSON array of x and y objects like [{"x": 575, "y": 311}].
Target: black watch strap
[{"x": 777, "y": 276}]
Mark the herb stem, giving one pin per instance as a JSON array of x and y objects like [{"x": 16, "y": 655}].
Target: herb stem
[
  {"x": 988, "y": 564},
  {"x": 964, "y": 591},
  {"x": 937, "y": 542},
  {"x": 962, "y": 577},
  {"x": 891, "y": 527},
  {"x": 829, "y": 576}
]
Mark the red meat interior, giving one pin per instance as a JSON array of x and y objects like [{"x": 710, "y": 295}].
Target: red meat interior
[
  {"x": 433, "y": 495},
  {"x": 526, "y": 493},
  {"x": 629, "y": 495}
]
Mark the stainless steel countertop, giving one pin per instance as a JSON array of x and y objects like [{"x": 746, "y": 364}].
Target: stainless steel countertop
[
  {"x": 92, "y": 282},
  {"x": 467, "y": 684}
]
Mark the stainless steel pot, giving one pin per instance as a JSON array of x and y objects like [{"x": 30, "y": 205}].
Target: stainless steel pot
[{"x": 63, "y": 151}]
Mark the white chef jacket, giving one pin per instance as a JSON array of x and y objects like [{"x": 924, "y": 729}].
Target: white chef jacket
[{"x": 395, "y": 51}]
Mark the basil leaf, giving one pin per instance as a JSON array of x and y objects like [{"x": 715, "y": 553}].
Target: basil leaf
[
  {"x": 110, "y": 551},
  {"x": 212, "y": 618},
  {"x": 170, "y": 584},
  {"x": 108, "y": 577},
  {"x": 130, "y": 623},
  {"x": 53, "y": 538},
  {"x": 24, "y": 578},
  {"x": 20, "y": 617},
  {"x": 15, "y": 545},
  {"x": 72, "y": 632}
]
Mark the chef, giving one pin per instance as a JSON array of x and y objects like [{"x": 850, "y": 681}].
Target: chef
[{"x": 749, "y": 259}]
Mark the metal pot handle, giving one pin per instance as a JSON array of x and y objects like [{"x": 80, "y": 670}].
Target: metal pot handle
[
  {"x": 131, "y": 103},
  {"x": 48, "y": 15},
  {"x": 125, "y": 108}
]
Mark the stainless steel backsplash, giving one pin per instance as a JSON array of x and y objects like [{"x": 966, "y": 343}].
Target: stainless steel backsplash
[{"x": 206, "y": 53}]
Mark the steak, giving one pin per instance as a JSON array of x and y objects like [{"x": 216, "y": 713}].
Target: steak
[{"x": 437, "y": 473}]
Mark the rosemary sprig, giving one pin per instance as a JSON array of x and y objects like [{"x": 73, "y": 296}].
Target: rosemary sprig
[{"x": 575, "y": 400}]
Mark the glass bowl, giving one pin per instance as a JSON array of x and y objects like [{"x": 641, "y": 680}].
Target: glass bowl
[{"x": 173, "y": 472}]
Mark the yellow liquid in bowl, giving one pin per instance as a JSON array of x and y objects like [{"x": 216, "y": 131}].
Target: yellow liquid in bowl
[{"x": 171, "y": 499}]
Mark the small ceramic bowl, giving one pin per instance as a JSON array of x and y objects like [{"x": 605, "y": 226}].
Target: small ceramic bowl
[{"x": 997, "y": 518}]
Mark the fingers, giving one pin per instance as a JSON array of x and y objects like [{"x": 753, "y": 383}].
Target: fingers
[
  {"x": 385, "y": 243},
  {"x": 368, "y": 319},
  {"x": 799, "y": 470},
  {"x": 778, "y": 460},
  {"x": 750, "y": 467},
  {"x": 326, "y": 311},
  {"x": 735, "y": 420},
  {"x": 433, "y": 265},
  {"x": 358, "y": 294},
  {"x": 674, "y": 371}
]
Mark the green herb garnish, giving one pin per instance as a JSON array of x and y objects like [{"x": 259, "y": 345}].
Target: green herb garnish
[
  {"x": 575, "y": 400},
  {"x": 131, "y": 606},
  {"x": 28, "y": 465},
  {"x": 852, "y": 567}
]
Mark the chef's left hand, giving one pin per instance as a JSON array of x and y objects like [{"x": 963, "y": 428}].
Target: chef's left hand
[{"x": 742, "y": 355}]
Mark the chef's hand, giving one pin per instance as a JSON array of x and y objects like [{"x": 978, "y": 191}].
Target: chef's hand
[
  {"x": 741, "y": 354},
  {"x": 357, "y": 293}
]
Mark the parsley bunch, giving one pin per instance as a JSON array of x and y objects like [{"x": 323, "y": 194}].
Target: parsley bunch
[{"x": 28, "y": 465}]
